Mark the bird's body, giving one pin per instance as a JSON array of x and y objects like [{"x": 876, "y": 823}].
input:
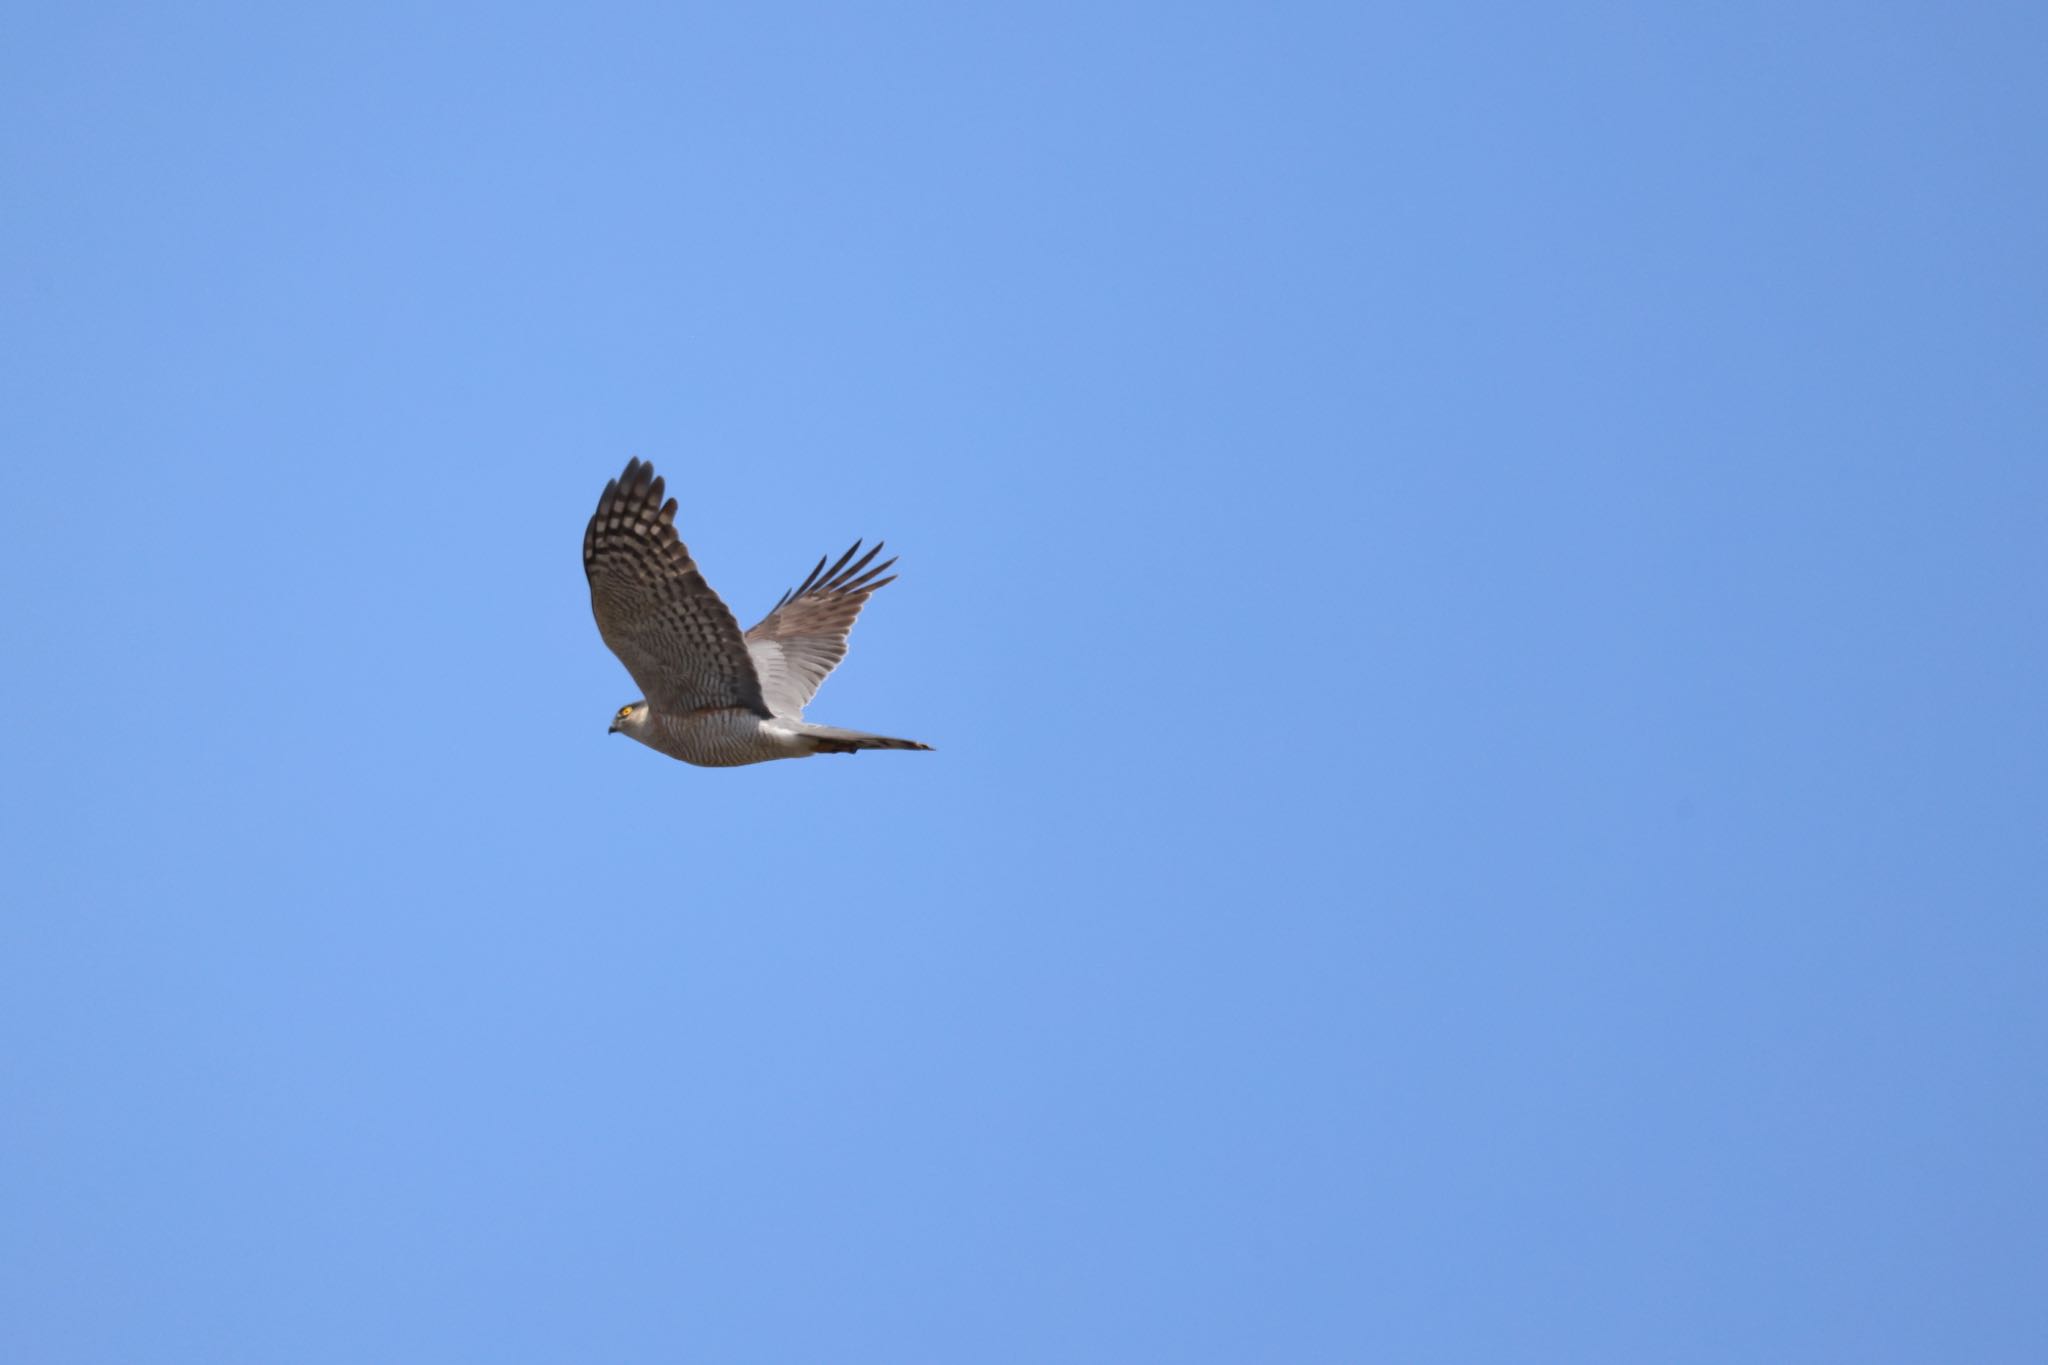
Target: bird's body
[
  {"x": 731, "y": 737},
  {"x": 715, "y": 737},
  {"x": 715, "y": 697}
]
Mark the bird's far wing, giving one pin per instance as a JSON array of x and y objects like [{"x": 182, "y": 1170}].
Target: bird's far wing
[
  {"x": 804, "y": 638},
  {"x": 653, "y": 607}
]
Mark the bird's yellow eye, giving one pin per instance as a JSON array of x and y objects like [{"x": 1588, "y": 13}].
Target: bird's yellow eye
[{"x": 624, "y": 712}]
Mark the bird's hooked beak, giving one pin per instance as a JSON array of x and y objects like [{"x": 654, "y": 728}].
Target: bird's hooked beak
[{"x": 612, "y": 729}]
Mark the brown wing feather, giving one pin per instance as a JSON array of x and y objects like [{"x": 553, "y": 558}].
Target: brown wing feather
[
  {"x": 796, "y": 645},
  {"x": 653, "y": 607}
]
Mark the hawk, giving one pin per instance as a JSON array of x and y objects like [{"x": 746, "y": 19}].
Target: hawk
[{"x": 713, "y": 696}]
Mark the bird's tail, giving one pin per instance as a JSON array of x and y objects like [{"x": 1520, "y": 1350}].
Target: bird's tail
[{"x": 830, "y": 739}]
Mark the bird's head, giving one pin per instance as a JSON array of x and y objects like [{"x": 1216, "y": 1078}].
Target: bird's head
[{"x": 631, "y": 720}]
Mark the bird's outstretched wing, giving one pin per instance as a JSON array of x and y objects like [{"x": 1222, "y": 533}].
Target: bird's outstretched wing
[
  {"x": 653, "y": 607},
  {"x": 804, "y": 638}
]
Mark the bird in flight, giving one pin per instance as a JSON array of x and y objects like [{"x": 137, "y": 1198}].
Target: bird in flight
[{"x": 713, "y": 696}]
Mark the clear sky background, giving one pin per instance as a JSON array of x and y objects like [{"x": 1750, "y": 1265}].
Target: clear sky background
[{"x": 1476, "y": 572}]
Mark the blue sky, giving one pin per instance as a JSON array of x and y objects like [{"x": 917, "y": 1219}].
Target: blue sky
[{"x": 1475, "y": 573}]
